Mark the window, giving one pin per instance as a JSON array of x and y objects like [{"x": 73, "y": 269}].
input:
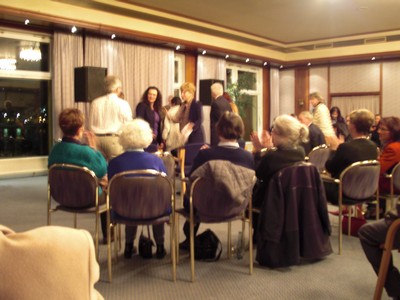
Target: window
[
  {"x": 24, "y": 94},
  {"x": 179, "y": 73},
  {"x": 244, "y": 84}
]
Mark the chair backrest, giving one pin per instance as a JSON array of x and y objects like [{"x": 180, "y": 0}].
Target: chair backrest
[
  {"x": 141, "y": 194},
  {"x": 396, "y": 177},
  {"x": 73, "y": 186},
  {"x": 186, "y": 155},
  {"x": 222, "y": 191},
  {"x": 169, "y": 163},
  {"x": 318, "y": 156},
  {"x": 359, "y": 181}
]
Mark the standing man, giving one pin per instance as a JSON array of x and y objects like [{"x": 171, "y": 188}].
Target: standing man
[
  {"x": 219, "y": 105},
  {"x": 107, "y": 114},
  {"x": 315, "y": 136}
]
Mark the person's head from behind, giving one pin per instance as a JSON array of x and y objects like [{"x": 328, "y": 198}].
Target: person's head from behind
[
  {"x": 176, "y": 101},
  {"x": 152, "y": 97},
  {"x": 71, "y": 121},
  {"x": 217, "y": 90},
  {"x": 288, "y": 132},
  {"x": 361, "y": 121},
  {"x": 135, "y": 134},
  {"x": 389, "y": 130},
  {"x": 305, "y": 117},
  {"x": 377, "y": 119},
  {"x": 230, "y": 126},
  {"x": 315, "y": 99},
  {"x": 188, "y": 91},
  {"x": 112, "y": 84}
]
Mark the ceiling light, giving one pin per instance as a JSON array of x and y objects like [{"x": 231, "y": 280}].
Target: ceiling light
[
  {"x": 204, "y": 52},
  {"x": 247, "y": 60},
  {"x": 227, "y": 56},
  {"x": 30, "y": 52},
  {"x": 178, "y": 47},
  {"x": 26, "y": 21},
  {"x": 373, "y": 58},
  {"x": 265, "y": 63},
  {"x": 281, "y": 67},
  {"x": 73, "y": 29},
  {"x": 113, "y": 36},
  {"x": 309, "y": 64}
]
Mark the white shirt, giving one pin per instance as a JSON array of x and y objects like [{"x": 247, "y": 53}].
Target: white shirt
[{"x": 108, "y": 113}]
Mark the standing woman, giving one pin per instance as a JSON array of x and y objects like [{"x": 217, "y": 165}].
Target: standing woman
[
  {"x": 149, "y": 109},
  {"x": 190, "y": 114}
]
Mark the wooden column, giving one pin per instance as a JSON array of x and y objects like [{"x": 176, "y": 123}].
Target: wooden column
[
  {"x": 190, "y": 68},
  {"x": 301, "y": 88},
  {"x": 266, "y": 99}
]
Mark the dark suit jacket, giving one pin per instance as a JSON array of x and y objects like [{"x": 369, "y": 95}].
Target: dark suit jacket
[
  {"x": 348, "y": 153},
  {"x": 316, "y": 138},
  {"x": 144, "y": 112},
  {"x": 218, "y": 107},
  {"x": 196, "y": 117}
]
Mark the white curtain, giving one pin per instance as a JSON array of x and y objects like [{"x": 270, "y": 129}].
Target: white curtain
[
  {"x": 275, "y": 109},
  {"x": 209, "y": 68},
  {"x": 348, "y": 104},
  {"x": 137, "y": 66},
  {"x": 67, "y": 54}
]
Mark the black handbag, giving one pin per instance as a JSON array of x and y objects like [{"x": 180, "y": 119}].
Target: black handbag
[
  {"x": 145, "y": 245},
  {"x": 207, "y": 246}
]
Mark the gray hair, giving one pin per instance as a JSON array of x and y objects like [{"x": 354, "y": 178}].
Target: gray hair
[
  {"x": 111, "y": 84},
  {"x": 135, "y": 134},
  {"x": 317, "y": 96},
  {"x": 289, "y": 132},
  {"x": 306, "y": 115},
  {"x": 217, "y": 89}
]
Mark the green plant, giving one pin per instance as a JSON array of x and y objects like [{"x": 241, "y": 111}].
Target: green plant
[{"x": 236, "y": 90}]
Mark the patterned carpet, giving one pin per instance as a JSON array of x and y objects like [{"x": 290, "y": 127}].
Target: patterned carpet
[{"x": 349, "y": 276}]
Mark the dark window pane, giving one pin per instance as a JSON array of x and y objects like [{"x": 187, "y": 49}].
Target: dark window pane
[
  {"x": 23, "y": 117},
  {"x": 247, "y": 80}
]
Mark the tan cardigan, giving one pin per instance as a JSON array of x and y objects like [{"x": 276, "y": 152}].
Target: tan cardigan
[{"x": 47, "y": 263}]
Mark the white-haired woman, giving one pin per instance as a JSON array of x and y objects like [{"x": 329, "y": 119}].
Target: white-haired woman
[
  {"x": 134, "y": 137},
  {"x": 282, "y": 150}
]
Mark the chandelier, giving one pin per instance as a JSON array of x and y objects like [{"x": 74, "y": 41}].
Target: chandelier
[
  {"x": 8, "y": 64},
  {"x": 30, "y": 53}
]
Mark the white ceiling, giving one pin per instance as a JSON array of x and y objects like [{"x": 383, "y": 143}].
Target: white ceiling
[{"x": 290, "y": 21}]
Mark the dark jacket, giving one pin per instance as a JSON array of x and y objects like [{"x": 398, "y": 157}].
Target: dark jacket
[
  {"x": 218, "y": 107},
  {"x": 294, "y": 220},
  {"x": 316, "y": 138},
  {"x": 196, "y": 117},
  {"x": 144, "y": 112}
]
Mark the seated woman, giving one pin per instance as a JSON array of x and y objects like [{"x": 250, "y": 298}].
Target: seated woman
[
  {"x": 282, "y": 150},
  {"x": 230, "y": 128},
  {"x": 72, "y": 151},
  {"x": 358, "y": 149},
  {"x": 339, "y": 124},
  {"x": 134, "y": 137}
]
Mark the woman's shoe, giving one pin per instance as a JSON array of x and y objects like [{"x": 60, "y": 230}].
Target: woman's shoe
[{"x": 160, "y": 254}]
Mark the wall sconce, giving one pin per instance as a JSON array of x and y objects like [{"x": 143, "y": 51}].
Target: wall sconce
[{"x": 301, "y": 102}]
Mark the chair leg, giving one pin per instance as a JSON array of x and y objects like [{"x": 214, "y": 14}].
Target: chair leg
[
  {"x": 173, "y": 247},
  {"x": 109, "y": 262},
  {"x": 96, "y": 237},
  {"x": 192, "y": 248},
  {"x": 177, "y": 237},
  {"x": 229, "y": 252}
]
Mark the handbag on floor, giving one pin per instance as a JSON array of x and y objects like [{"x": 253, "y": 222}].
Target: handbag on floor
[
  {"x": 145, "y": 245},
  {"x": 207, "y": 246}
]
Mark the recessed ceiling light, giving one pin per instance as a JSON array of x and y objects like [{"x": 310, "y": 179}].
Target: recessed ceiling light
[
  {"x": 113, "y": 36},
  {"x": 309, "y": 64},
  {"x": 227, "y": 56},
  {"x": 265, "y": 63},
  {"x": 73, "y": 29},
  {"x": 373, "y": 58},
  {"x": 26, "y": 21},
  {"x": 178, "y": 47},
  {"x": 204, "y": 52},
  {"x": 247, "y": 60},
  {"x": 281, "y": 67}
]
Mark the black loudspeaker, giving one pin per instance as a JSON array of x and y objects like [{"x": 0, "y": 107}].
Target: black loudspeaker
[
  {"x": 205, "y": 91},
  {"x": 89, "y": 83}
]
